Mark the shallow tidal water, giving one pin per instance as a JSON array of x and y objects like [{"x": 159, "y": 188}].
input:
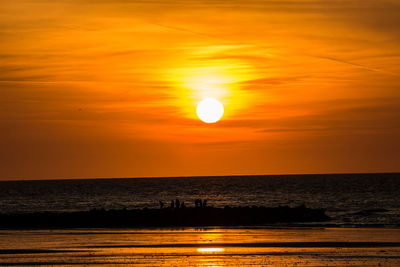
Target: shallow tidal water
[{"x": 203, "y": 247}]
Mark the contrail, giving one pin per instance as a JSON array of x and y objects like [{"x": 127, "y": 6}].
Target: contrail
[
  {"x": 357, "y": 65},
  {"x": 190, "y": 31},
  {"x": 275, "y": 54}
]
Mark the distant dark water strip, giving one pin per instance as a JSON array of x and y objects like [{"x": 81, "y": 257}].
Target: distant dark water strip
[
  {"x": 265, "y": 245},
  {"x": 36, "y": 251},
  {"x": 52, "y": 263}
]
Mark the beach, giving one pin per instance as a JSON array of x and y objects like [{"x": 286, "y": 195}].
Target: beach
[
  {"x": 106, "y": 222},
  {"x": 199, "y": 133},
  {"x": 255, "y": 246}
]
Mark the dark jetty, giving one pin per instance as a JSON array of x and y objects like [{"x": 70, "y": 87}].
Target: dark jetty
[{"x": 165, "y": 217}]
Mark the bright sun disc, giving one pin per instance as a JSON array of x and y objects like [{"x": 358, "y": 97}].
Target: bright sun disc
[{"x": 210, "y": 110}]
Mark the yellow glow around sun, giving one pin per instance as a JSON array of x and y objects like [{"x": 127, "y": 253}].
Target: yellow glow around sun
[
  {"x": 201, "y": 74},
  {"x": 210, "y": 110}
]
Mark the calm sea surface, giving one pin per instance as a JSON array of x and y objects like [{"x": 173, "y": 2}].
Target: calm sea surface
[{"x": 350, "y": 199}]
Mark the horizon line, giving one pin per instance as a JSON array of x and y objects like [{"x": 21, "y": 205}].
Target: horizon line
[{"x": 197, "y": 176}]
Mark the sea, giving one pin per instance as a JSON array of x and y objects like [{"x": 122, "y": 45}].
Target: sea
[{"x": 349, "y": 199}]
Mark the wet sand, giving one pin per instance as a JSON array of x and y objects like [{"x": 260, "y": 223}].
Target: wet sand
[{"x": 203, "y": 247}]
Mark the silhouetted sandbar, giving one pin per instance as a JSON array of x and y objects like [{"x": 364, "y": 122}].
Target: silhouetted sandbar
[{"x": 166, "y": 217}]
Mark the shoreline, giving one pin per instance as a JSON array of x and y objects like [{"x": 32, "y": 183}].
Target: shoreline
[{"x": 212, "y": 227}]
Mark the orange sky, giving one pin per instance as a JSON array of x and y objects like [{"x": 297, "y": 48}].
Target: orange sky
[{"x": 96, "y": 88}]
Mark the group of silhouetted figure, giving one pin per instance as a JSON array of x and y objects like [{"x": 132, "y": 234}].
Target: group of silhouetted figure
[{"x": 198, "y": 203}]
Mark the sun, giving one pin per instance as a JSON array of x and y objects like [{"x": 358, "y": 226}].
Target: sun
[{"x": 210, "y": 110}]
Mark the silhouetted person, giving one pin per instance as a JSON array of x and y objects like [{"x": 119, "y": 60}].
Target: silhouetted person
[
  {"x": 197, "y": 203},
  {"x": 183, "y": 205},
  {"x": 204, "y": 203},
  {"x": 161, "y": 204},
  {"x": 201, "y": 203},
  {"x": 177, "y": 203},
  {"x": 172, "y": 204}
]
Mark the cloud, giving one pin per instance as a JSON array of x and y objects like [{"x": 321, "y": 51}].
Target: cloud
[{"x": 98, "y": 71}]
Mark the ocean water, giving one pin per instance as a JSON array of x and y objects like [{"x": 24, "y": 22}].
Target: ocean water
[{"x": 350, "y": 199}]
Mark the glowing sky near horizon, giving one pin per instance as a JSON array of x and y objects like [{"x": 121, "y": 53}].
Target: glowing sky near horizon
[{"x": 109, "y": 88}]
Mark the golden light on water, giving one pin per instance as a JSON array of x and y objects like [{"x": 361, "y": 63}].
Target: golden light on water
[{"x": 210, "y": 250}]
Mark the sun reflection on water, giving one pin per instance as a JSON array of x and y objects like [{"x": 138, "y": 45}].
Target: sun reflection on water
[{"x": 210, "y": 250}]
